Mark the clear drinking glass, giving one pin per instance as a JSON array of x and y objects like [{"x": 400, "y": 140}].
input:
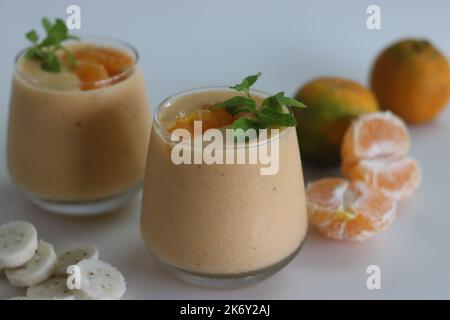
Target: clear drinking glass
[
  {"x": 221, "y": 225},
  {"x": 78, "y": 152}
]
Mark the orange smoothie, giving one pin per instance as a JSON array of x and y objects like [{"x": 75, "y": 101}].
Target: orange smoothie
[
  {"x": 220, "y": 219},
  {"x": 74, "y": 136}
]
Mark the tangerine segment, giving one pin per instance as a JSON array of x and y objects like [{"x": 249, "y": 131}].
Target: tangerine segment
[
  {"x": 346, "y": 210},
  {"x": 91, "y": 75},
  {"x": 210, "y": 119},
  {"x": 374, "y": 135},
  {"x": 115, "y": 61},
  {"x": 396, "y": 177}
]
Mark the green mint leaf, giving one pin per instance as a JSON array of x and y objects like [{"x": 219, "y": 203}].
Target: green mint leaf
[
  {"x": 59, "y": 30},
  {"x": 51, "y": 63},
  {"x": 270, "y": 114},
  {"x": 237, "y": 105},
  {"x": 49, "y": 41},
  {"x": 47, "y": 24},
  {"x": 273, "y": 102},
  {"x": 276, "y": 102},
  {"x": 243, "y": 124},
  {"x": 46, "y": 51},
  {"x": 240, "y": 109},
  {"x": 287, "y": 101},
  {"x": 70, "y": 56},
  {"x": 56, "y": 34},
  {"x": 32, "y": 36},
  {"x": 35, "y": 53},
  {"x": 246, "y": 83},
  {"x": 31, "y": 53},
  {"x": 269, "y": 117}
]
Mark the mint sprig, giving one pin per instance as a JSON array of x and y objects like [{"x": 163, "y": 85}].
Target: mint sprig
[
  {"x": 46, "y": 50},
  {"x": 237, "y": 104},
  {"x": 245, "y": 124},
  {"x": 270, "y": 114},
  {"x": 246, "y": 84}
]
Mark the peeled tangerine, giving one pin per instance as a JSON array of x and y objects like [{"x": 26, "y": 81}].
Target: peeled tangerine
[
  {"x": 348, "y": 210},
  {"x": 396, "y": 177},
  {"x": 113, "y": 60},
  {"x": 91, "y": 74},
  {"x": 97, "y": 67},
  {"x": 209, "y": 117},
  {"x": 375, "y": 150},
  {"x": 375, "y": 135}
]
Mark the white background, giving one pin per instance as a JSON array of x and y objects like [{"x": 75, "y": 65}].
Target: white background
[{"x": 186, "y": 44}]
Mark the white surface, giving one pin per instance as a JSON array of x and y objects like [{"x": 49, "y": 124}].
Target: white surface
[{"x": 186, "y": 44}]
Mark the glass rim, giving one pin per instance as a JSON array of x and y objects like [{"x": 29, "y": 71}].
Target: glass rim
[
  {"x": 166, "y": 136},
  {"x": 89, "y": 39}
]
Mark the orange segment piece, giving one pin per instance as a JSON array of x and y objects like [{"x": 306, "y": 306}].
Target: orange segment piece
[
  {"x": 113, "y": 60},
  {"x": 90, "y": 73},
  {"x": 346, "y": 210},
  {"x": 397, "y": 177},
  {"x": 210, "y": 119},
  {"x": 380, "y": 134}
]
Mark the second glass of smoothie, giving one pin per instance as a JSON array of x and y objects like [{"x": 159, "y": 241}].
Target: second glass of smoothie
[
  {"x": 77, "y": 139},
  {"x": 220, "y": 225}
]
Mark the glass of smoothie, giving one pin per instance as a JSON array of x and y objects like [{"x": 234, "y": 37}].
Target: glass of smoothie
[
  {"x": 77, "y": 138},
  {"x": 220, "y": 225}
]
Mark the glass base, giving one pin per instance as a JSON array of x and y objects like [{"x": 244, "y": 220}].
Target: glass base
[
  {"x": 230, "y": 281},
  {"x": 81, "y": 208}
]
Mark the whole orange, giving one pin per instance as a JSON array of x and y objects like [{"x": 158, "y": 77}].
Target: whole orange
[
  {"x": 412, "y": 79},
  {"x": 332, "y": 103}
]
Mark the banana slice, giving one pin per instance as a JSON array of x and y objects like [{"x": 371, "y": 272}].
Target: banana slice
[
  {"x": 38, "y": 269},
  {"x": 53, "y": 288},
  {"x": 18, "y": 242},
  {"x": 72, "y": 255},
  {"x": 99, "y": 281}
]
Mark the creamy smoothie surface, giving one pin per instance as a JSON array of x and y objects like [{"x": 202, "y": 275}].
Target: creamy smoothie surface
[
  {"x": 64, "y": 80},
  {"x": 79, "y": 134},
  {"x": 220, "y": 218}
]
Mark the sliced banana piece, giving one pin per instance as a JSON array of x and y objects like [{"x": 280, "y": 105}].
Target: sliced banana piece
[
  {"x": 53, "y": 288},
  {"x": 18, "y": 242},
  {"x": 38, "y": 269},
  {"x": 72, "y": 255},
  {"x": 99, "y": 281}
]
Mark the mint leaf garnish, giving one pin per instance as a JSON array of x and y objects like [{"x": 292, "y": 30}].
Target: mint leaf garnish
[
  {"x": 270, "y": 114},
  {"x": 279, "y": 100},
  {"x": 70, "y": 56},
  {"x": 47, "y": 24},
  {"x": 32, "y": 36},
  {"x": 270, "y": 117},
  {"x": 243, "y": 124},
  {"x": 246, "y": 84},
  {"x": 46, "y": 51},
  {"x": 51, "y": 63},
  {"x": 237, "y": 105},
  {"x": 288, "y": 101}
]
